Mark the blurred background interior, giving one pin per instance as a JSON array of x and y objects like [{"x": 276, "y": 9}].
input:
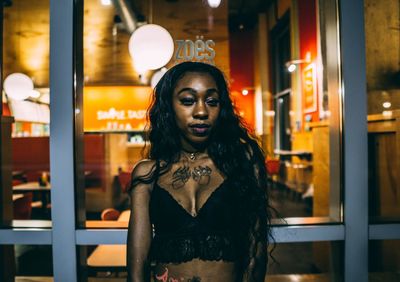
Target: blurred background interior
[{"x": 281, "y": 59}]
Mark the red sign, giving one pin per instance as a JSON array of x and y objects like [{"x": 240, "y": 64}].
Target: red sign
[{"x": 309, "y": 82}]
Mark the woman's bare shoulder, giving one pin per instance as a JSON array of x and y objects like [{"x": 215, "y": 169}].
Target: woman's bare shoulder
[
  {"x": 141, "y": 176},
  {"x": 143, "y": 168}
]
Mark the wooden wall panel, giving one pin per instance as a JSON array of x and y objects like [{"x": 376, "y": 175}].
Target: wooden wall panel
[
  {"x": 26, "y": 37},
  {"x": 382, "y": 21},
  {"x": 321, "y": 170}
]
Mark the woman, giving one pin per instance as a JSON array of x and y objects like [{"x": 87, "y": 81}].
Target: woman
[{"x": 202, "y": 192}]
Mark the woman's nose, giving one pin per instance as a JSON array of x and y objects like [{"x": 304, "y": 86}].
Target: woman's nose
[{"x": 200, "y": 111}]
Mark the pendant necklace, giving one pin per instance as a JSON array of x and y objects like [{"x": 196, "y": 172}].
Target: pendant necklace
[{"x": 190, "y": 155}]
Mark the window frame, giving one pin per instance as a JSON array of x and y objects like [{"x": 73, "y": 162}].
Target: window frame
[{"x": 65, "y": 236}]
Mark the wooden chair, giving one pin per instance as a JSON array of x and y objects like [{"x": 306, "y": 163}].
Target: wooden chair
[
  {"x": 16, "y": 182},
  {"x": 33, "y": 175},
  {"x": 22, "y": 206},
  {"x": 110, "y": 214},
  {"x": 124, "y": 179},
  {"x": 273, "y": 167}
]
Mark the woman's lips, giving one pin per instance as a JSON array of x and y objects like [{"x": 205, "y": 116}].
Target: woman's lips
[{"x": 200, "y": 129}]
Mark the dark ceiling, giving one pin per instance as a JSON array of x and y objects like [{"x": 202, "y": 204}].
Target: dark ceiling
[{"x": 243, "y": 13}]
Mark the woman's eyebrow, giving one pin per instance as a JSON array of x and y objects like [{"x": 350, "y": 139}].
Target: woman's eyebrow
[
  {"x": 193, "y": 91},
  {"x": 212, "y": 91},
  {"x": 186, "y": 89}
]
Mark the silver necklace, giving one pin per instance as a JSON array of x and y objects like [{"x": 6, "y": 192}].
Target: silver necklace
[{"x": 191, "y": 155}]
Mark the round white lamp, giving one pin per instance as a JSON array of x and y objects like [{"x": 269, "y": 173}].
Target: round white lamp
[
  {"x": 214, "y": 3},
  {"x": 157, "y": 76},
  {"x": 151, "y": 47},
  {"x": 34, "y": 93},
  {"x": 18, "y": 86}
]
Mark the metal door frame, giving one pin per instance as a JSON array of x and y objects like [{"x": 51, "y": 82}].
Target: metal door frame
[{"x": 64, "y": 235}]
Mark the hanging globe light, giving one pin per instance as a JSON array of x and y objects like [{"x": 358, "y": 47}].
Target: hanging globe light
[
  {"x": 157, "y": 76},
  {"x": 151, "y": 47},
  {"x": 18, "y": 86},
  {"x": 214, "y": 3},
  {"x": 34, "y": 94}
]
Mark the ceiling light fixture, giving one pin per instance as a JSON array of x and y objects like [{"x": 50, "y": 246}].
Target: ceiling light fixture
[
  {"x": 18, "y": 86},
  {"x": 387, "y": 105},
  {"x": 34, "y": 94},
  {"x": 106, "y": 2},
  {"x": 157, "y": 76},
  {"x": 151, "y": 47},
  {"x": 292, "y": 64},
  {"x": 214, "y": 3}
]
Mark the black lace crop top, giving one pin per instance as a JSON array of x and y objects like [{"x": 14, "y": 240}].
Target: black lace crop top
[{"x": 181, "y": 237}]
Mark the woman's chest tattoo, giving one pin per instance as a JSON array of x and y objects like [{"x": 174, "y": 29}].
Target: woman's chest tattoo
[{"x": 182, "y": 174}]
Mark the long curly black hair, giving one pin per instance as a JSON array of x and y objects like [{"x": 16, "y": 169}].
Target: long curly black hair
[{"x": 233, "y": 149}]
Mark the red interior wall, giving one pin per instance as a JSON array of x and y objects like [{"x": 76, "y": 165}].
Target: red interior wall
[
  {"x": 32, "y": 154},
  {"x": 307, "y": 15},
  {"x": 241, "y": 56},
  {"x": 94, "y": 156}
]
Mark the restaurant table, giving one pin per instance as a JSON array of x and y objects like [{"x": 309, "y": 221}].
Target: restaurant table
[
  {"x": 17, "y": 196},
  {"x": 124, "y": 216},
  {"x": 121, "y": 222},
  {"x": 295, "y": 153},
  {"x": 34, "y": 187},
  {"x": 109, "y": 257},
  {"x": 105, "y": 224}
]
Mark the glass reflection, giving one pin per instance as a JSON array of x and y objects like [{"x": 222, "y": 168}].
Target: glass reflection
[
  {"x": 25, "y": 145},
  {"x": 383, "y": 102},
  {"x": 295, "y": 113}
]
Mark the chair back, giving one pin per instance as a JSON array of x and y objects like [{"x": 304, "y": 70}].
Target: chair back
[
  {"x": 110, "y": 214},
  {"x": 124, "y": 179},
  {"x": 273, "y": 166},
  {"x": 33, "y": 175},
  {"x": 23, "y": 207}
]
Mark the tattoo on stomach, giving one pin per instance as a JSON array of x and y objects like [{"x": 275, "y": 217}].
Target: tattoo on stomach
[{"x": 165, "y": 277}]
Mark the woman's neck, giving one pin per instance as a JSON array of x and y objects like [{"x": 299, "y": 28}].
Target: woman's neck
[{"x": 193, "y": 148}]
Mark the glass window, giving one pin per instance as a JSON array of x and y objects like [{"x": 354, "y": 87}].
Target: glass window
[
  {"x": 25, "y": 98},
  {"x": 301, "y": 115},
  {"x": 284, "y": 92},
  {"x": 106, "y": 261},
  {"x": 383, "y": 103},
  {"x": 316, "y": 261},
  {"x": 384, "y": 260},
  {"x": 26, "y": 262},
  {"x": 313, "y": 261}
]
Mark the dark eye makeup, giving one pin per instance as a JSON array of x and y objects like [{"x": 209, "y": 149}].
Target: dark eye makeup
[
  {"x": 187, "y": 101},
  {"x": 213, "y": 102}
]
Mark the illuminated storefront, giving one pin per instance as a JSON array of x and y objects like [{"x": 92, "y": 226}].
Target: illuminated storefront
[{"x": 296, "y": 71}]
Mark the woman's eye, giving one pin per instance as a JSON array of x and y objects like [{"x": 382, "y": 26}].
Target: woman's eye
[
  {"x": 187, "y": 101},
  {"x": 213, "y": 102}
]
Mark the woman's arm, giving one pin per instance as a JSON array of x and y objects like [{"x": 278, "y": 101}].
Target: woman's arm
[{"x": 139, "y": 230}]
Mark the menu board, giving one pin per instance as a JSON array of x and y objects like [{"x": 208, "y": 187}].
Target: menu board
[{"x": 115, "y": 108}]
